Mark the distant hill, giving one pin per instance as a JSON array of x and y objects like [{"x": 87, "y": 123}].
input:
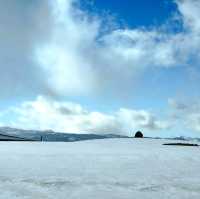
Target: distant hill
[{"x": 52, "y": 136}]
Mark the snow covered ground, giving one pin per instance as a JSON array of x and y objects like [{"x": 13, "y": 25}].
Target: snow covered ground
[{"x": 100, "y": 169}]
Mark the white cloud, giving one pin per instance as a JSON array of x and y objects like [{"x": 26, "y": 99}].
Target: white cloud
[
  {"x": 80, "y": 60},
  {"x": 44, "y": 113},
  {"x": 59, "y": 49},
  {"x": 22, "y": 27},
  {"x": 190, "y": 14}
]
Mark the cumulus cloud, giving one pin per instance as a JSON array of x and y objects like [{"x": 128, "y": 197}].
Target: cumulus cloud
[
  {"x": 53, "y": 47},
  {"x": 22, "y": 27},
  {"x": 190, "y": 14},
  {"x": 44, "y": 113},
  {"x": 80, "y": 59}
]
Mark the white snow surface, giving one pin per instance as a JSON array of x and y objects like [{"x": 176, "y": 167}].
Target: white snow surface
[{"x": 99, "y": 169}]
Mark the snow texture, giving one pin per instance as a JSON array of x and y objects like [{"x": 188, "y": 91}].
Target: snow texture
[{"x": 101, "y": 169}]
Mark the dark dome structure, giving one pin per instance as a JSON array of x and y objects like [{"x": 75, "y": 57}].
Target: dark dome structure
[{"x": 138, "y": 134}]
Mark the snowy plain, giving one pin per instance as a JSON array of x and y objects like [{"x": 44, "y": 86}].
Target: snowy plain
[{"x": 100, "y": 169}]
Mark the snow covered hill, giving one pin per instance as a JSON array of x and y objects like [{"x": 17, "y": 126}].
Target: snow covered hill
[
  {"x": 52, "y": 136},
  {"x": 107, "y": 168}
]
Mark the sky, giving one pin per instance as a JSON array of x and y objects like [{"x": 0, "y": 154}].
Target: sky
[{"x": 95, "y": 66}]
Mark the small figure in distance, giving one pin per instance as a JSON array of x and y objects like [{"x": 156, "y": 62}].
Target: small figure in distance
[{"x": 138, "y": 134}]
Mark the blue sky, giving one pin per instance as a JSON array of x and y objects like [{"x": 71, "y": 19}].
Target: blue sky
[
  {"x": 135, "y": 13},
  {"x": 101, "y": 66}
]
